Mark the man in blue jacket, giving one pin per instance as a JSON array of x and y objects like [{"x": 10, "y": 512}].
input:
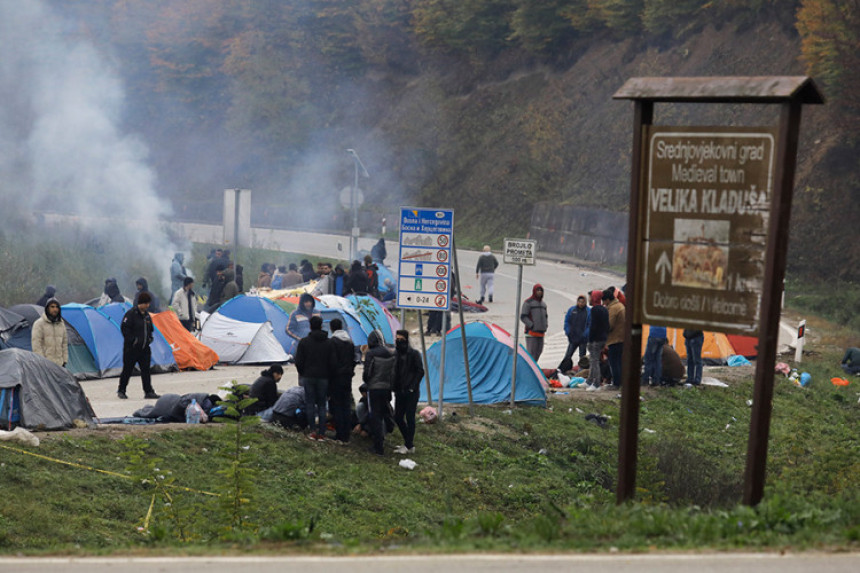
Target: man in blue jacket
[{"x": 576, "y": 325}]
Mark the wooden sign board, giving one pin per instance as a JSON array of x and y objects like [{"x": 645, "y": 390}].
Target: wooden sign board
[{"x": 706, "y": 198}]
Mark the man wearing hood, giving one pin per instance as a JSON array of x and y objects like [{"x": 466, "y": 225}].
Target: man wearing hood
[
  {"x": 340, "y": 384},
  {"x": 314, "y": 363},
  {"x": 485, "y": 271},
  {"x": 143, "y": 287},
  {"x": 615, "y": 340},
  {"x": 331, "y": 283},
  {"x": 177, "y": 272},
  {"x": 185, "y": 304},
  {"x": 357, "y": 282},
  {"x": 50, "y": 291},
  {"x": 137, "y": 335},
  {"x": 111, "y": 293},
  {"x": 379, "y": 372},
  {"x": 49, "y": 334},
  {"x": 299, "y": 324},
  {"x": 408, "y": 372},
  {"x": 534, "y": 317},
  {"x": 231, "y": 287},
  {"x": 379, "y": 252},
  {"x": 218, "y": 282},
  {"x": 598, "y": 331}
]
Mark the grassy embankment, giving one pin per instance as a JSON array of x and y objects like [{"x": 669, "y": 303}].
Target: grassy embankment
[{"x": 531, "y": 479}]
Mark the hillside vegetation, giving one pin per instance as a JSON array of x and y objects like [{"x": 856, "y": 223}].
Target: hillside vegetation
[{"x": 485, "y": 106}]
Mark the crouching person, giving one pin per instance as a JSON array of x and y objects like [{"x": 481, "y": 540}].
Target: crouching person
[
  {"x": 409, "y": 370},
  {"x": 289, "y": 411}
]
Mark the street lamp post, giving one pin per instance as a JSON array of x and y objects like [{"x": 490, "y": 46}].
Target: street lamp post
[{"x": 353, "y": 242}]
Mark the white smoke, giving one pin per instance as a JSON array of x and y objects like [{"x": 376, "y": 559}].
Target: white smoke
[{"x": 61, "y": 144}]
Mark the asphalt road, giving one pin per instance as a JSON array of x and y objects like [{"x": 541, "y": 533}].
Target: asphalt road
[{"x": 707, "y": 563}]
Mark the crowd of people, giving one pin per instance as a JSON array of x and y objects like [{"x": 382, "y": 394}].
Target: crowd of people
[{"x": 594, "y": 328}]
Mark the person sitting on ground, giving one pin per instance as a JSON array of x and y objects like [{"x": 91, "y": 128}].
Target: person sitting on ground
[
  {"x": 50, "y": 291},
  {"x": 391, "y": 293},
  {"x": 673, "y": 368},
  {"x": 49, "y": 335},
  {"x": 851, "y": 360},
  {"x": 265, "y": 390},
  {"x": 290, "y": 411}
]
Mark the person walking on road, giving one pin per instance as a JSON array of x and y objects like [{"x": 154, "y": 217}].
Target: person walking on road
[
  {"x": 49, "y": 335},
  {"x": 485, "y": 272},
  {"x": 137, "y": 335},
  {"x": 534, "y": 316},
  {"x": 615, "y": 340},
  {"x": 314, "y": 363},
  {"x": 408, "y": 372},
  {"x": 576, "y": 323},
  {"x": 598, "y": 332}
]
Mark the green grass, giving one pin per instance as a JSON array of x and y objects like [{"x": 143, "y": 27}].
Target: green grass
[{"x": 528, "y": 480}]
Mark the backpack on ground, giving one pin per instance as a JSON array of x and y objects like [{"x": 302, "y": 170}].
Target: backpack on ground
[{"x": 382, "y": 371}]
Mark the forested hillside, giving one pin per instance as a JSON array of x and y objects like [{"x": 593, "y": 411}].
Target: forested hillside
[{"x": 485, "y": 106}]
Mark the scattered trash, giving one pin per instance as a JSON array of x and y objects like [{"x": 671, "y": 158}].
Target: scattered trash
[
  {"x": 428, "y": 415},
  {"x": 782, "y": 368},
  {"x": 407, "y": 463},
  {"x": 840, "y": 382},
  {"x": 310, "y": 473},
  {"x": 570, "y": 410},
  {"x": 749, "y": 402},
  {"x": 598, "y": 419},
  {"x": 20, "y": 435},
  {"x": 509, "y": 412},
  {"x": 738, "y": 360},
  {"x": 580, "y": 411},
  {"x": 576, "y": 381},
  {"x": 805, "y": 379},
  {"x": 561, "y": 393},
  {"x": 542, "y": 452},
  {"x": 563, "y": 379},
  {"x": 649, "y": 430},
  {"x": 708, "y": 381},
  {"x": 728, "y": 426}
]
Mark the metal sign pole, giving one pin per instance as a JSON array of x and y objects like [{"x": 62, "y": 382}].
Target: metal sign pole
[
  {"x": 442, "y": 362},
  {"x": 516, "y": 335},
  {"x": 424, "y": 358},
  {"x": 462, "y": 327}
]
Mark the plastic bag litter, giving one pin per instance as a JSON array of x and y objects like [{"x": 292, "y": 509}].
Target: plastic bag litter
[
  {"x": 576, "y": 381},
  {"x": 805, "y": 379},
  {"x": 782, "y": 368},
  {"x": 565, "y": 380},
  {"x": 738, "y": 360},
  {"x": 840, "y": 382},
  {"x": 708, "y": 381},
  {"x": 407, "y": 464},
  {"x": 20, "y": 435},
  {"x": 428, "y": 415}
]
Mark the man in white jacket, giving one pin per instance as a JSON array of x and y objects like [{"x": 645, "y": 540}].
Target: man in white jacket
[{"x": 184, "y": 302}]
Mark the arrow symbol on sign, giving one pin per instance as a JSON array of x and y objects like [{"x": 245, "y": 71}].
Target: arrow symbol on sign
[{"x": 663, "y": 265}]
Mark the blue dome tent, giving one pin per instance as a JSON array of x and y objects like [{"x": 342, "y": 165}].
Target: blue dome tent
[
  {"x": 489, "y": 347},
  {"x": 259, "y": 310}
]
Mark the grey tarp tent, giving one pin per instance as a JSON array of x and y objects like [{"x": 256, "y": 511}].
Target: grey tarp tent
[{"x": 49, "y": 396}]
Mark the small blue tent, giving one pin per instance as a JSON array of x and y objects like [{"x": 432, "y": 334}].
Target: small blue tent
[
  {"x": 259, "y": 310},
  {"x": 162, "y": 355},
  {"x": 101, "y": 335},
  {"x": 489, "y": 348},
  {"x": 374, "y": 316}
]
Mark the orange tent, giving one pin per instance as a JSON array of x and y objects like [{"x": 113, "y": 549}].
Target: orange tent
[
  {"x": 189, "y": 352},
  {"x": 716, "y": 348}
]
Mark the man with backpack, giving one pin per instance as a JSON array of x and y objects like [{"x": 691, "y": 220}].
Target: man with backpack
[
  {"x": 379, "y": 372},
  {"x": 408, "y": 372}
]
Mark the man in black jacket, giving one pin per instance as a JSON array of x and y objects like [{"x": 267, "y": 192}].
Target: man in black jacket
[
  {"x": 340, "y": 384},
  {"x": 409, "y": 371},
  {"x": 137, "y": 331},
  {"x": 377, "y": 361},
  {"x": 314, "y": 362}
]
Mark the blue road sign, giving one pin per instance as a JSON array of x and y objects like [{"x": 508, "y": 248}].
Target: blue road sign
[{"x": 425, "y": 258}]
